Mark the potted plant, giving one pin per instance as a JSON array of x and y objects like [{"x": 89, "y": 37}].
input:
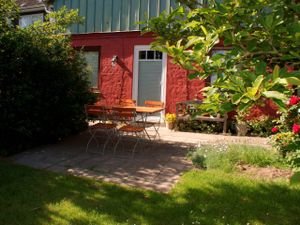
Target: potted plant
[
  {"x": 242, "y": 126},
  {"x": 170, "y": 120}
]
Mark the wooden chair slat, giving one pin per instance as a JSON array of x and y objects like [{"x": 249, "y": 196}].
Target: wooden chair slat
[{"x": 151, "y": 103}]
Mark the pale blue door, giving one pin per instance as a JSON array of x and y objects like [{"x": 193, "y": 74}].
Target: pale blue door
[{"x": 149, "y": 76}]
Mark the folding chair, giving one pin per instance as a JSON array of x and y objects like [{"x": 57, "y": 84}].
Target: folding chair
[
  {"x": 154, "y": 124},
  {"x": 100, "y": 114},
  {"x": 130, "y": 128}
]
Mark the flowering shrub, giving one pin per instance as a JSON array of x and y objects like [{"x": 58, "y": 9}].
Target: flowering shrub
[
  {"x": 262, "y": 126},
  {"x": 286, "y": 136}
]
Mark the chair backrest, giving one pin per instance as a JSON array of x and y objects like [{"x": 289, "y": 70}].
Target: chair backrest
[
  {"x": 124, "y": 114},
  {"x": 157, "y": 104},
  {"x": 127, "y": 102},
  {"x": 96, "y": 112}
]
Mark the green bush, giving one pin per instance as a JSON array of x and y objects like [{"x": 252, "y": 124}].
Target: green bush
[
  {"x": 261, "y": 126},
  {"x": 227, "y": 157},
  {"x": 199, "y": 126},
  {"x": 293, "y": 159},
  {"x": 43, "y": 88}
]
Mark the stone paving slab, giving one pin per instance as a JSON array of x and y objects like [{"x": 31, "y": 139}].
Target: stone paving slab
[{"x": 157, "y": 165}]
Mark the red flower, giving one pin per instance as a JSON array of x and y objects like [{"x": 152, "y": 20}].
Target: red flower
[
  {"x": 275, "y": 130},
  {"x": 296, "y": 128},
  {"x": 294, "y": 100},
  {"x": 269, "y": 69},
  {"x": 289, "y": 68}
]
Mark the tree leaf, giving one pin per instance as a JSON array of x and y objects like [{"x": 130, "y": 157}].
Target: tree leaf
[
  {"x": 193, "y": 75},
  {"x": 261, "y": 68},
  {"x": 293, "y": 80},
  {"x": 204, "y": 30},
  {"x": 281, "y": 105},
  {"x": 236, "y": 98},
  {"x": 227, "y": 107},
  {"x": 275, "y": 95},
  {"x": 252, "y": 91},
  {"x": 276, "y": 72}
]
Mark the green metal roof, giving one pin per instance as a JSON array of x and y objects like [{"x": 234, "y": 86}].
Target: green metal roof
[{"x": 114, "y": 15}]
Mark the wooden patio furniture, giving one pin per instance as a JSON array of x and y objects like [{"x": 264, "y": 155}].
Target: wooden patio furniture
[
  {"x": 186, "y": 110},
  {"x": 127, "y": 102},
  {"x": 154, "y": 124},
  {"x": 130, "y": 128},
  {"x": 100, "y": 115}
]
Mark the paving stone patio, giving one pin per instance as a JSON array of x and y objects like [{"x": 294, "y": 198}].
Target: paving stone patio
[{"x": 157, "y": 165}]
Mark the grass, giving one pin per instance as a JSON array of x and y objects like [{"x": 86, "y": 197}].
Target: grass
[
  {"x": 30, "y": 197},
  {"x": 227, "y": 157}
]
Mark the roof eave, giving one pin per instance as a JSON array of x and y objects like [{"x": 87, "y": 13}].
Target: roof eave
[{"x": 33, "y": 8}]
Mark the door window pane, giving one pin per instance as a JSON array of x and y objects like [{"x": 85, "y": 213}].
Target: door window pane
[
  {"x": 92, "y": 59},
  {"x": 142, "y": 55},
  {"x": 150, "y": 54},
  {"x": 158, "y": 55}
]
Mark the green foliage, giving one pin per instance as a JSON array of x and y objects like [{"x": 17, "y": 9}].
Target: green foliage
[
  {"x": 9, "y": 13},
  {"x": 227, "y": 157},
  {"x": 293, "y": 158},
  {"x": 295, "y": 179},
  {"x": 261, "y": 37},
  {"x": 286, "y": 142},
  {"x": 287, "y": 139},
  {"x": 43, "y": 84},
  {"x": 191, "y": 125},
  {"x": 261, "y": 126}
]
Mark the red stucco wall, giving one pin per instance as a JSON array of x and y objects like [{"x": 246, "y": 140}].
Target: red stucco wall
[{"x": 116, "y": 82}]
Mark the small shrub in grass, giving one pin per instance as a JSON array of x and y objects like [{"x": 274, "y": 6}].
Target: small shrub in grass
[
  {"x": 295, "y": 179},
  {"x": 227, "y": 157},
  {"x": 293, "y": 159}
]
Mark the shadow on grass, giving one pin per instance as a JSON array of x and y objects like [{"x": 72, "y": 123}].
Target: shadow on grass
[{"x": 31, "y": 196}]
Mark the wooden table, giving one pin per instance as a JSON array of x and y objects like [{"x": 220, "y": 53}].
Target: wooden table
[
  {"x": 145, "y": 109},
  {"x": 139, "y": 109}
]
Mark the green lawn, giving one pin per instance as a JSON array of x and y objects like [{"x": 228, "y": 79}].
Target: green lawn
[{"x": 30, "y": 196}]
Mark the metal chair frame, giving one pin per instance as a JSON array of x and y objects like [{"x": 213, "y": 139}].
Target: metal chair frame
[
  {"x": 100, "y": 114},
  {"x": 156, "y": 124},
  {"x": 131, "y": 128}
]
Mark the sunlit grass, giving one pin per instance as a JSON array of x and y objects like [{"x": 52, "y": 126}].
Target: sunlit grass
[{"x": 30, "y": 196}]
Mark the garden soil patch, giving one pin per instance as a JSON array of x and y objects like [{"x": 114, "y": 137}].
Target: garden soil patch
[{"x": 266, "y": 173}]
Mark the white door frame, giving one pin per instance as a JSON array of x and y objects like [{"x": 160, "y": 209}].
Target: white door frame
[{"x": 135, "y": 82}]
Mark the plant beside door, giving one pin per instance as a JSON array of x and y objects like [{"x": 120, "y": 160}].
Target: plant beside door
[{"x": 170, "y": 120}]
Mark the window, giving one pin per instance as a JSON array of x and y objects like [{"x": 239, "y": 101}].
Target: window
[
  {"x": 150, "y": 55},
  {"x": 92, "y": 59},
  {"x": 27, "y": 20},
  {"x": 213, "y": 77}
]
